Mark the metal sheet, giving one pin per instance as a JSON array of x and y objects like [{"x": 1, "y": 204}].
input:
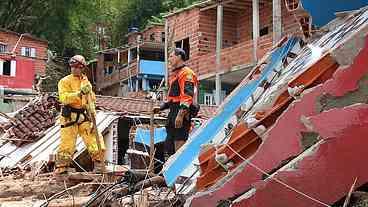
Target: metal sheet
[{"x": 48, "y": 144}]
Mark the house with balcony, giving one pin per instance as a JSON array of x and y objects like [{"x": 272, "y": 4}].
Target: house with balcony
[
  {"x": 225, "y": 39},
  {"x": 138, "y": 66}
]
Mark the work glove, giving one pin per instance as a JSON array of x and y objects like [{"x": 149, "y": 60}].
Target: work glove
[
  {"x": 180, "y": 118},
  {"x": 162, "y": 107},
  {"x": 86, "y": 88}
]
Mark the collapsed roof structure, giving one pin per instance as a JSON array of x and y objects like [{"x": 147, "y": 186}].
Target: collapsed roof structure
[{"x": 300, "y": 140}]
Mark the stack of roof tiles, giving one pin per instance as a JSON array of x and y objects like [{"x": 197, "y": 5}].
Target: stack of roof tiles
[
  {"x": 31, "y": 121},
  {"x": 139, "y": 106}
]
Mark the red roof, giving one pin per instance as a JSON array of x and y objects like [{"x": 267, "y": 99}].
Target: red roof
[
  {"x": 139, "y": 106},
  {"x": 31, "y": 122}
]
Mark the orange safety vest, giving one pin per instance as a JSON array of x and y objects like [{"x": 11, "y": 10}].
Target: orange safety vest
[{"x": 183, "y": 87}]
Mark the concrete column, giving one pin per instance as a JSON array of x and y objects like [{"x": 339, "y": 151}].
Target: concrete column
[
  {"x": 137, "y": 85},
  {"x": 138, "y": 58},
  {"x": 144, "y": 84},
  {"x": 276, "y": 21},
  {"x": 129, "y": 56},
  {"x": 130, "y": 84},
  {"x": 219, "y": 32},
  {"x": 255, "y": 6},
  {"x": 1, "y": 67},
  {"x": 118, "y": 56},
  {"x": 166, "y": 52}
]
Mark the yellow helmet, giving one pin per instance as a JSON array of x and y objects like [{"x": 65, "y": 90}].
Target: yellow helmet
[{"x": 78, "y": 61}]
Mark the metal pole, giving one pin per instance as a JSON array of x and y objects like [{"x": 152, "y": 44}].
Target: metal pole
[
  {"x": 16, "y": 44},
  {"x": 166, "y": 53},
  {"x": 152, "y": 136}
]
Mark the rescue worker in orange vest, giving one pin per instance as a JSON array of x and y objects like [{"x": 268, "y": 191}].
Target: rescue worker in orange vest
[
  {"x": 74, "y": 121},
  {"x": 183, "y": 86}
]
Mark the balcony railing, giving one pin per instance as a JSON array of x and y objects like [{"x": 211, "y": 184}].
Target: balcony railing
[
  {"x": 118, "y": 75},
  {"x": 231, "y": 57}
]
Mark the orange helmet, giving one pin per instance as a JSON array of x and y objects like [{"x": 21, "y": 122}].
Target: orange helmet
[{"x": 77, "y": 61}]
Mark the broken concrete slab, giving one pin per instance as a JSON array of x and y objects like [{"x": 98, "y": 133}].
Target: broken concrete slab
[
  {"x": 326, "y": 174},
  {"x": 273, "y": 150}
]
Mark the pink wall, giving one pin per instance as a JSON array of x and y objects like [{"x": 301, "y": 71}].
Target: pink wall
[{"x": 24, "y": 76}]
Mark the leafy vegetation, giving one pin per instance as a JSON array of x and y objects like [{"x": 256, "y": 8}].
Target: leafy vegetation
[{"x": 70, "y": 25}]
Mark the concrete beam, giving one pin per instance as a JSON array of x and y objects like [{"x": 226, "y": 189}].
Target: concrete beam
[
  {"x": 255, "y": 6},
  {"x": 219, "y": 32},
  {"x": 276, "y": 20}
]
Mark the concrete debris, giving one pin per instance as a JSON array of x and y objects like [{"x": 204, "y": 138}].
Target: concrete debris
[{"x": 291, "y": 134}]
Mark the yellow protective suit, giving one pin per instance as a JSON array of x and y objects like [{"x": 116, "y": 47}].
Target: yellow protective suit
[{"x": 69, "y": 94}]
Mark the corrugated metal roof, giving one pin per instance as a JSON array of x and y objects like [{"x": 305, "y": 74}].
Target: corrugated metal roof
[{"x": 48, "y": 144}]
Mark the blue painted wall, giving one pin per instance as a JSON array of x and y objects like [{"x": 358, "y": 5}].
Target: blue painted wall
[
  {"x": 323, "y": 11},
  {"x": 151, "y": 67}
]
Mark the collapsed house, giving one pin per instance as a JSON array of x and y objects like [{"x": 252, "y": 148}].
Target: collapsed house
[
  {"x": 31, "y": 138},
  {"x": 298, "y": 121},
  {"x": 300, "y": 108}
]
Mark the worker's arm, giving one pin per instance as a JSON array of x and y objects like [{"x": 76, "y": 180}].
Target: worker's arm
[
  {"x": 92, "y": 103},
  {"x": 65, "y": 96},
  {"x": 163, "y": 106},
  {"x": 187, "y": 84}
]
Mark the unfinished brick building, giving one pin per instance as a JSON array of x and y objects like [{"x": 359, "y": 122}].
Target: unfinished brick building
[
  {"x": 22, "y": 56},
  {"x": 136, "y": 66},
  {"x": 246, "y": 30}
]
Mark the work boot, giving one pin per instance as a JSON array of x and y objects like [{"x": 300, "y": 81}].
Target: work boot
[{"x": 98, "y": 167}]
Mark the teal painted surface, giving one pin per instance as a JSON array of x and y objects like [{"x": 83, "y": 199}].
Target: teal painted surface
[
  {"x": 151, "y": 67},
  {"x": 323, "y": 11}
]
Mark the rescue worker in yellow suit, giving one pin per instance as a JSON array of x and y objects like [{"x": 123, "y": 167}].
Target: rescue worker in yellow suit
[{"x": 73, "y": 91}]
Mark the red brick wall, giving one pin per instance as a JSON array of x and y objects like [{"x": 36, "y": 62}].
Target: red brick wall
[
  {"x": 207, "y": 28},
  {"x": 186, "y": 25},
  {"x": 156, "y": 30},
  {"x": 111, "y": 79},
  {"x": 200, "y": 27},
  {"x": 289, "y": 23},
  {"x": 132, "y": 38},
  {"x": 244, "y": 26},
  {"x": 41, "y": 49}
]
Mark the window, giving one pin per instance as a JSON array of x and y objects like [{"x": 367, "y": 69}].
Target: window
[
  {"x": 108, "y": 57},
  {"x": 28, "y": 52},
  {"x": 184, "y": 44},
  {"x": 162, "y": 36},
  {"x": 263, "y": 31},
  {"x": 7, "y": 67},
  {"x": 110, "y": 70},
  {"x": 152, "y": 37},
  {"x": 2, "y": 48},
  {"x": 209, "y": 99}
]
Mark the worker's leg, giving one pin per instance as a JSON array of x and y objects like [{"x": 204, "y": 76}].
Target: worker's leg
[
  {"x": 90, "y": 141},
  {"x": 178, "y": 144},
  {"x": 181, "y": 135},
  {"x": 66, "y": 147}
]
